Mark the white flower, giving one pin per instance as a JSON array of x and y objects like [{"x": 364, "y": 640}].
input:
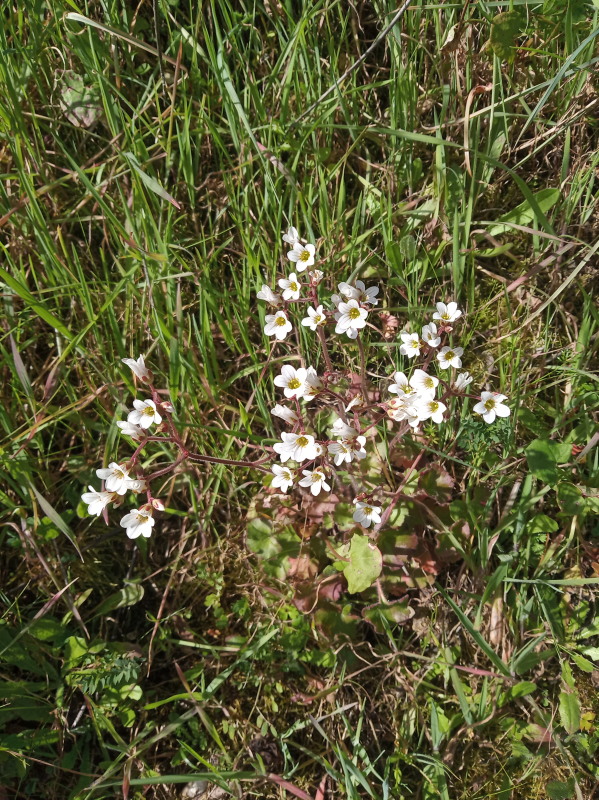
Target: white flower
[
  {"x": 462, "y": 379},
  {"x": 297, "y": 446},
  {"x": 302, "y": 256},
  {"x": 97, "y": 501},
  {"x": 316, "y": 480},
  {"x": 350, "y": 317},
  {"x": 356, "y": 446},
  {"x": 491, "y": 406},
  {"x": 402, "y": 408},
  {"x": 138, "y": 368},
  {"x": 266, "y": 293},
  {"x": 312, "y": 385},
  {"x": 116, "y": 477},
  {"x": 360, "y": 293},
  {"x": 411, "y": 344},
  {"x": 429, "y": 408},
  {"x": 401, "y": 386},
  {"x": 144, "y": 414},
  {"x": 283, "y": 478},
  {"x": 285, "y": 413},
  {"x": 340, "y": 428},
  {"x": 347, "y": 449},
  {"x": 316, "y": 275},
  {"x": 292, "y": 380},
  {"x": 429, "y": 335},
  {"x": 136, "y": 432},
  {"x": 291, "y": 287},
  {"x": 450, "y": 357},
  {"x": 366, "y": 514},
  {"x": 315, "y": 318},
  {"x": 340, "y": 452},
  {"x": 277, "y": 325},
  {"x": 423, "y": 382},
  {"x": 447, "y": 313},
  {"x": 138, "y": 523},
  {"x": 291, "y": 237}
]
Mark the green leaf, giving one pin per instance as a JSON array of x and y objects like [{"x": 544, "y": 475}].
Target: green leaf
[
  {"x": 505, "y": 27},
  {"x": 543, "y": 456},
  {"x": 541, "y": 523},
  {"x": 151, "y": 183},
  {"x": 569, "y": 711},
  {"x": 525, "y": 214},
  {"x": 583, "y": 663},
  {"x": 129, "y": 595},
  {"x": 365, "y": 564},
  {"x": 558, "y": 790}
]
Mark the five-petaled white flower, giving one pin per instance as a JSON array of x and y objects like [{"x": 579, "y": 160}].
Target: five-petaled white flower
[
  {"x": 365, "y": 514},
  {"x": 138, "y": 522},
  {"x": 138, "y": 368},
  {"x": 136, "y": 432},
  {"x": 350, "y": 318},
  {"x": 315, "y": 318},
  {"x": 491, "y": 406},
  {"x": 360, "y": 293},
  {"x": 340, "y": 452},
  {"x": 283, "y": 478},
  {"x": 315, "y": 275},
  {"x": 116, "y": 477},
  {"x": 447, "y": 313},
  {"x": 450, "y": 357},
  {"x": 429, "y": 335},
  {"x": 297, "y": 446},
  {"x": 429, "y": 408},
  {"x": 277, "y": 325},
  {"x": 462, "y": 379},
  {"x": 291, "y": 287},
  {"x": 285, "y": 413},
  {"x": 402, "y": 385},
  {"x": 411, "y": 344},
  {"x": 267, "y": 294},
  {"x": 302, "y": 256},
  {"x": 97, "y": 501},
  {"x": 316, "y": 480},
  {"x": 424, "y": 383},
  {"x": 292, "y": 236},
  {"x": 292, "y": 380},
  {"x": 144, "y": 414}
]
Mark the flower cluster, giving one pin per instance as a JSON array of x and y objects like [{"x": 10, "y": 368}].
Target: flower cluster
[
  {"x": 331, "y": 416},
  {"x": 419, "y": 395}
]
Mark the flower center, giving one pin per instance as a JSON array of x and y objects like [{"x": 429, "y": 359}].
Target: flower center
[
  {"x": 148, "y": 411},
  {"x": 316, "y": 476},
  {"x": 317, "y": 318},
  {"x": 118, "y": 473},
  {"x": 294, "y": 383},
  {"x": 449, "y": 355},
  {"x": 304, "y": 255},
  {"x": 429, "y": 383},
  {"x": 490, "y": 404},
  {"x": 367, "y": 510},
  {"x": 354, "y": 313},
  {"x": 293, "y": 286},
  {"x": 301, "y": 441},
  {"x": 280, "y": 321},
  {"x": 142, "y": 518},
  {"x": 433, "y": 406},
  {"x": 446, "y": 316}
]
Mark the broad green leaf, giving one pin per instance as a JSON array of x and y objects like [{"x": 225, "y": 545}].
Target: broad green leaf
[
  {"x": 543, "y": 456},
  {"x": 558, "y": 790},
  {"x": 569, "y": 711},
  {"x": 365, "y": 564},
  {"x": 505, "y": 27},
  {"x": 129, "y": 595},
  {"x": 525, "y": 214}
]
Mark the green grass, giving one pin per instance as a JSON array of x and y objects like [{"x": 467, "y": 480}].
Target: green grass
[{"x": 147, "y": 229}]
